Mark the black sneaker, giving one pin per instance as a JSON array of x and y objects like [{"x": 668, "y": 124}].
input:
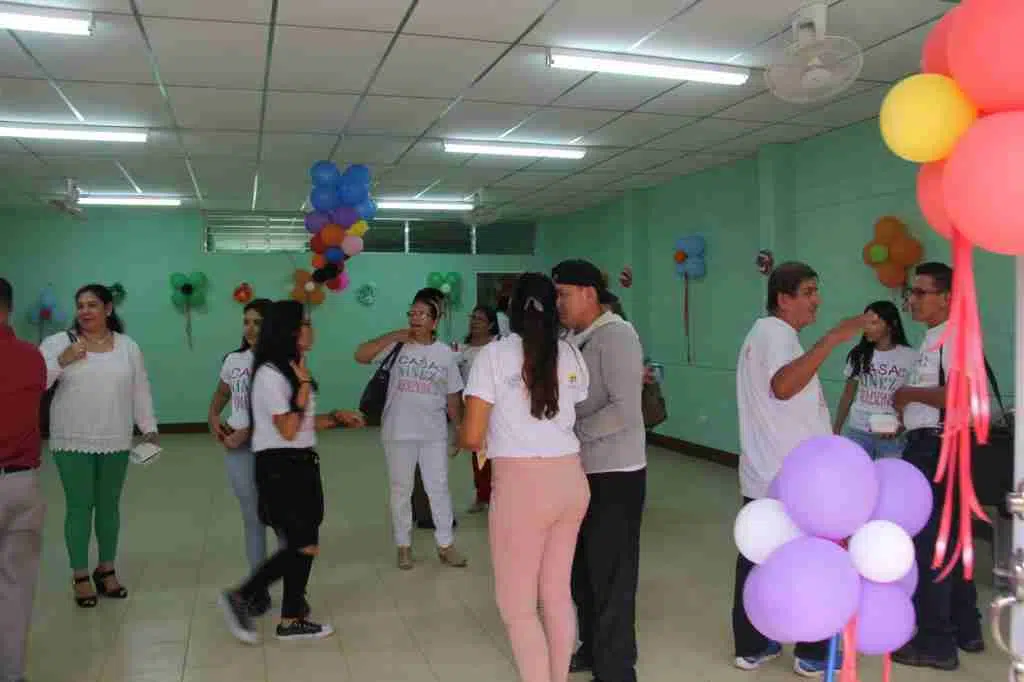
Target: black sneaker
[
  {"x": 580, "y": 663},
  {"x": 237, "y": 614},
  {"x": 915, "y": 657},
  {"x": 303, "y": 629},
  {"x": 259, "y": 607}
]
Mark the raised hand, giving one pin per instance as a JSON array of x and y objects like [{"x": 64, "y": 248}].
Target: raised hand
[{"x": 72, "y": 354}]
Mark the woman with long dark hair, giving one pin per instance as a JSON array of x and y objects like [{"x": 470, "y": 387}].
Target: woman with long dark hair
[
  {"x": 233, "y": 388},
  {"x": 522, "y": 396},
  {"x": 875, "y": 368},
  {"x": 282, "y": 407},
  {"x": 483, "y": 329},
  {"x": 103, "y": 393}
]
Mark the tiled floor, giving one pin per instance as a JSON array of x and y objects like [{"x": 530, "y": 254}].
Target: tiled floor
[{"x": 182, "y": 542}]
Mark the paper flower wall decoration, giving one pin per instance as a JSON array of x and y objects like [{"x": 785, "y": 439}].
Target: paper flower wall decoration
[
  {"x": 367, "y": 294},
  {"x": 307, "y": 290},
  {"x": 242, "y": 293},
  {"x": 689, "y": 259},
  {"x": 44, "y": 312},
  {"x": 892, "y": 252},
  {"x": 188, "y": 292},
  {"x": 118, "y": 292},
  {"x": 765, "y": 261},
  {"x": 626, "y": 277},
  {"x": 450, "y": 284}
]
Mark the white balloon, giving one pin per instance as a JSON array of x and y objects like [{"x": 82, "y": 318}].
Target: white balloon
[
  {"x": 762, "y": 527},
  {"x": 882, "y": 551},
  {"x": 310, "y": 287}
]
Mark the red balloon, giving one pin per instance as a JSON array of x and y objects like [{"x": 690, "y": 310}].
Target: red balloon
[
  {"x": 935, "y": 55},
  {"x": 986, "y": 53},
  {"x": 334, "y": 284},
  {"x": 930, "y": 197},
  {"x": 984, "y": 183},
  {"x": 45, "y": 314},
  {"x": 316, "y": 244}
]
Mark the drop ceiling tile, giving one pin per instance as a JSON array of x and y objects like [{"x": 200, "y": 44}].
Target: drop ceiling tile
[
  {"x": 896, "y": 58},
  {"x": 591, "y": 180},
  {"x": 466, "y": 176},
  {"x": 767, "y": 108},
  {"x": 703, "y": 99},
  {"x": 397, "y": 115},
  {"x": 635, "y": 129},
  {"x": 527, "y": 180},
  {"x": 608, "y": 26},
  {"x": 157, "y": 141},
  {"x": 209, "y": 53},
  {"x": 560, "y": 125},
  {"x": 295, "y": 148},
  {"x": 32, "y": 101},
  {"x": 431, "y": 152},
  {"x": 695, "y": 162},
  {"x": 612, "y": 91},
  {"x": 13, "y": 61},
  {"x": 480, "y": 120},
  {"x": 220, "y": 144},
  {"x": 594, "y": 155},
  {"x": 380, "y": 15},
  {"x": 118, "y": 104},
  {"x": 308, "y": 111},
  {"x": 643, "y": 180},
  {"x": 779, "y": 133},
  {"x": 324, "y": 60},
  {"x": 636, "y": 160},
  {"x": 225, "y": 180},
  {"x": 704, "y": 133},
  {"x": 114, "y": 53},
  {"x": 887, "y": 19},
  {"x": 413, "y": 176},
  {"x": 497, "y": 20},
  {"x": 372, "y": 150},
  {"x": 92, "y": 175},
  {"x": 507, "y": 163},
  {"x": 159, "y": 175},
  {"x": 257, "y": 11},
  {"x": 433, "y": 67},
  {"x": 212, "y": 109},
  {"x": 858, "y": 107},
  {"x": 522, "y": 76}
]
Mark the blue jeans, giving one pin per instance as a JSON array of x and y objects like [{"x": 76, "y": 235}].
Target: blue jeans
[
  {"x": 875, "y": 445},
  {"x": 240, "y": 465}
]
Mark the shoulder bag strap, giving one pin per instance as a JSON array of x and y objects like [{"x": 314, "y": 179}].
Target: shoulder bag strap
[
  {"x": 389, "y": 361},
  {"x": 991, "y": 378}
]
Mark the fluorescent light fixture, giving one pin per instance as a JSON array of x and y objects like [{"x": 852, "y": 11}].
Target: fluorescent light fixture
[
  {"x": 417, "y": 205},
  {"x": 41, "y": 21},
  {"x": 127, "y": 200},
  {"x": 505, "y": 149},
  {"x": 652, "y": 67},
  {"x": 81, "y": 134}
]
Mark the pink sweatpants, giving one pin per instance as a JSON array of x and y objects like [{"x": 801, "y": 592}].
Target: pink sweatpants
[{"x": 537, "y": 506}]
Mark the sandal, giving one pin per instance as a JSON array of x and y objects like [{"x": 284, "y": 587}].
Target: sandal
[
  {"x": 99, "y": 577},
  {"x": 87, "y": 602}
]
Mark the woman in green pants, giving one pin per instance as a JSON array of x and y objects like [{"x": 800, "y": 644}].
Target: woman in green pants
[{"x": 102, "y": 392}]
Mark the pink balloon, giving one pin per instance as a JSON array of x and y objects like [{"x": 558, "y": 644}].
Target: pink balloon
[
  {"x": 935, "y": 55},
  {"x": 984, "y": 183},
  {"x": 343, "y": 281},
  {"x": 930, "y": 198},
  {"x": 986, "y": 53},
  {"x": 352, "y": 245}
]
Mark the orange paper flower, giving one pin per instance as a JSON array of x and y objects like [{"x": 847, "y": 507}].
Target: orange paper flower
[{"x": 891, "y": 252}]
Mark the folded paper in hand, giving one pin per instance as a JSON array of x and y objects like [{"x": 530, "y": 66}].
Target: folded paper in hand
[{"x": 145, "y": 453}]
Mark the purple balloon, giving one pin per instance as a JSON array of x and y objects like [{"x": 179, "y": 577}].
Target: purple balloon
[
  {"x": 773, "y": 489},
  {"x": 806, "y": 591},
  {"x": 829, "y": 487},
  {"x": 904, "y": 495},
  {"x": 885, "y": 619},
  {"x": 908, "y": 583},
  {"x": 344, "y": 216},
  {"x": 315, "y": 221}
]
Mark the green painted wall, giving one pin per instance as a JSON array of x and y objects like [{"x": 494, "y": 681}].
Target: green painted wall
[
  {"x": 140, "y": 248},
  {"x": 814, "y": 201}
]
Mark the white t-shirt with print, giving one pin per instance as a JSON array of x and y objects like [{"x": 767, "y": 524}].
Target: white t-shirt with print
[
  {"x": 236, "y": 372},
  {"x": 271, "y": 396},
  {"x": 770, "y": 428},
  {"x": 422, "y": 378},
  {"x": 497, "y": 378},
  {"x": 926, "y": 375},
  {"x": 888, "y": 372}
]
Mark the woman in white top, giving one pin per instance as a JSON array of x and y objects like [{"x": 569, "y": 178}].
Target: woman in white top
[
  {"x": 522, "y": 394},
  {"x": 284, "y": 422},
  {"x": 875, "y": 368},
  {"x": 103, "y": 392},
  {"x": 483, "y": 328},
  {"x": 424, "y": 392},
  {"x": 233, "y": 388}
]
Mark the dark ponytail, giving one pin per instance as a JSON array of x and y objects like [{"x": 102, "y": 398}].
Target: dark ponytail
[
  {"x": 532, "y": 315},
  {"x": 106, "y": 297}
]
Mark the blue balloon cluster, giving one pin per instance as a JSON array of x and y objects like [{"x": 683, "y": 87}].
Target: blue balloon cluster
[
  {"x": 334, "y": 190},
  {"x": 694, "y": 266}
]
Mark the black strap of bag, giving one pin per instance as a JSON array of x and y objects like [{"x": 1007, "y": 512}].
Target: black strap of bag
[
  {"x": 991, "y": 379},
  {"x": 375, "y": 395},
  {"x": 47, "y": 398}
]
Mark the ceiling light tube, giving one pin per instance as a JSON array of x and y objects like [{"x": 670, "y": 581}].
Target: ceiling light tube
[
  {"x": 652, "y": 67},
  {"x": 123, "y": 200},
  {"x": 506, "y": 149},
  {"x": 417, "y": 205},
  {"x": 80, "y": 134},
  {"x": 38, "y": 20}
]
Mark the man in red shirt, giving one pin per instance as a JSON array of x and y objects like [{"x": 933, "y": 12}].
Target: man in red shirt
[{"x": 22, "y": 383}]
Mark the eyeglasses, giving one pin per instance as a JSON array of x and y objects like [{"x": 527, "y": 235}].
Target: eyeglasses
[{"x": 921, "y": 293}]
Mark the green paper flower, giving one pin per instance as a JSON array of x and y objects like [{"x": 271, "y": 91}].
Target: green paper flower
[
  {"x": 189, "y": 290},
  {"x": 118, "y": 292},
  {"x": 367, "y": 294}
]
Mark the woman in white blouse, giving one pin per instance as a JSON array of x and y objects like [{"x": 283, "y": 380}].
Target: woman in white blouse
[
  {"x": 522, "y": 394},
  {"x": 483, "y": 328},
  {"x": 103, "y": 391}
]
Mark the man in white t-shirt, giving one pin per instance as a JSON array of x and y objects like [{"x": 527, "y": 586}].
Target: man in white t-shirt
[
  {"x": 947, "y": 611},
  {"x": 781, "y": 404}
]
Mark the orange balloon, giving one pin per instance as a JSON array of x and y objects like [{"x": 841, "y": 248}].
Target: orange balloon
[
  {"x": 301, "y": 277},
  {"x": 317, "y": 297},
  {"x": 298, "y": 294},
  {"x": 332, "y": 235},
  {"x": 906, "y": 251},
  {"x": 892, "y": 275},
  {"x": 680, "y": 256},
  {"x": 888, "y": 229},
  {"x": 319, "y": 261}
]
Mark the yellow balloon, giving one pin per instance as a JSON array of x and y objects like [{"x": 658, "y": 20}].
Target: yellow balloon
[
  {"x": 358, "y": 228},
  {"x": 923, "y": 116}
]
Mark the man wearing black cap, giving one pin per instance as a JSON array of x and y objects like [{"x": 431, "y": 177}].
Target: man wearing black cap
[{"x": 610, "y": 426}]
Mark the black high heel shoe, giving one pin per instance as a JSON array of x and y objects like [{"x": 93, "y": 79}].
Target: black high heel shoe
[
  {"x": 98, "y": 577},
  {"x": 84, "y": 602}
]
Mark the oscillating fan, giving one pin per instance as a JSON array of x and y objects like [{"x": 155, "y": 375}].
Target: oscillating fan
[
  {"x": 69, "y": 202},
  {"x": 815, "y": 66}
]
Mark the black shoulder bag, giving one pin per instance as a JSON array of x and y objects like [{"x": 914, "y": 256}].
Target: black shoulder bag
[
  {"x": 47, "y": 399},
  {"x": 375, "y": 395}
]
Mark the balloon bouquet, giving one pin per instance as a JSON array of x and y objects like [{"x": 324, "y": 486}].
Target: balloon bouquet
[
  {"x": 833, "y": 551},
  {"x": 45, "y": 312},
  {"x": 341, "y": 208},
  {"x": 963, "y": 120}
]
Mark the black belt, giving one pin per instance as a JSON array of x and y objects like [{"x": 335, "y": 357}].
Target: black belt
[
  {"x": 15, "y": 469},
  {"x": 917, "y": 435}
]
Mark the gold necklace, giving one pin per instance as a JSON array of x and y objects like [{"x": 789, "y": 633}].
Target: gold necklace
[{"x": 98, "y": 342}]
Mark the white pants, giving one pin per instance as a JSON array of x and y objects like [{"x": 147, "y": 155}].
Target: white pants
[{"x": 432, "y": 456}]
